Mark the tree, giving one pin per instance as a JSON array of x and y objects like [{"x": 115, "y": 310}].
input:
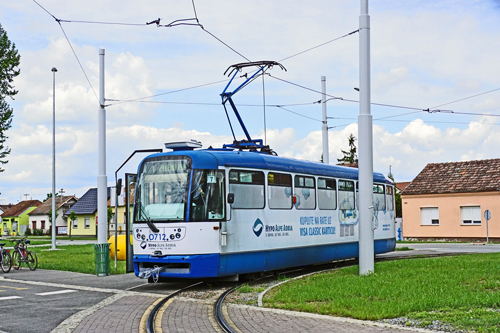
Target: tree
[
  {"x": 72, "y": 217},
  {"x": 9, "y": 69},
  {"x": 110, "y": 217},
  {"x": 349, "y": 156}
]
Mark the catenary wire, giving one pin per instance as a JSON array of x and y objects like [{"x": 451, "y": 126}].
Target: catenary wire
[
  {"x": 463, "y": 99},
  {"x": 79, "y": 63},
  {"x": 315, "y": 47}
]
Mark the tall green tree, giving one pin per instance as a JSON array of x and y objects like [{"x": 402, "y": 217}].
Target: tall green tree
[
  {"x": 9, "y": 69},
  {"x": 351, "y": 155}
]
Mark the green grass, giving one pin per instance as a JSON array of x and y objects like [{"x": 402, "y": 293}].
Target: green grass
[
  {"x": 404, "y": 248},
  {"x": 245, "y": 288},
  {"x": 73, "y": 258},
  {"x": 463, "y": 291}
]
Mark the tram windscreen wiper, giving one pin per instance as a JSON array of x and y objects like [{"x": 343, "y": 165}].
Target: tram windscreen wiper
[{"x": 150, "y": 224}]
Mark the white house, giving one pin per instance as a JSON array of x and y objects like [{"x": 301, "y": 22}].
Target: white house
[{"x": 40, "y": 219}]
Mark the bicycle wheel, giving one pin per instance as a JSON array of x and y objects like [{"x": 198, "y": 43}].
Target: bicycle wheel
[
  {"x": 32, "y": 260},
  {"x": 16, "y": 260},
  {"x": 6, "y": 262}
]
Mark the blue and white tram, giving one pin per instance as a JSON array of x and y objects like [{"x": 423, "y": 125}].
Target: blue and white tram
[{"x": 211, "y": 213}]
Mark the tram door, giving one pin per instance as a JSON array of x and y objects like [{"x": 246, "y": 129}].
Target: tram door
[{"x": 130, "y": 182}]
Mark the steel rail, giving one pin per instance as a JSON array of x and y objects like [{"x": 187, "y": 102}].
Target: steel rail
[{"x": 150, "y": 324}]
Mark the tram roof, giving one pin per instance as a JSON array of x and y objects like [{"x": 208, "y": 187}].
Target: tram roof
[{"x": 212, "y": 158}]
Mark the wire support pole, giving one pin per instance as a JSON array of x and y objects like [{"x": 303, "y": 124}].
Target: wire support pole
[
  {"x": 53, "y": 222},
  {"x": 365, "y": 134},
  {"x": 102, "y": 180},
  {"x": 324, "y": 127}
]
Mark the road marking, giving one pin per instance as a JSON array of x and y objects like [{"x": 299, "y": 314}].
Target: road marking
[
  {"x": 57, "y": 292},
  {"x": 9, "y": 297},
  {"x": 16, "y": 288}
]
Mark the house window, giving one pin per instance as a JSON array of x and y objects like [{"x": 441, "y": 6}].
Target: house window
[
  {"x": 87, "y": 223},
  {"x": 429, "y": 216},
  {"x": 42, "y": 225},
  {"x": 471, "y": 214},
  {"x": 279, "y": 190},
  {"x": 33, "y": 225},
  {"x": 75, "y": 223}
]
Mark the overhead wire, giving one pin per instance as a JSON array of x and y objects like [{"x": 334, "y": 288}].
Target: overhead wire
[
  {"x": 174, "y": 23},
  {"x": 463, "y": 99}
]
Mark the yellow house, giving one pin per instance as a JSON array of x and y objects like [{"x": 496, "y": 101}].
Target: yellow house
[
  {"x": 15, "y": 220},
  {"x": 85, "y": 222},
  {"x": 449, "y": 201}
]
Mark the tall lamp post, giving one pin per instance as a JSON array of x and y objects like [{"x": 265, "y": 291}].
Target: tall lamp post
[{"x": 53, "y": 224}]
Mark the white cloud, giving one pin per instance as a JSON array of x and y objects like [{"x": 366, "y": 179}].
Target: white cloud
[{"x": 423, "y": 55}]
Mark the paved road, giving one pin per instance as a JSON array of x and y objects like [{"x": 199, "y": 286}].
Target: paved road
[{"x": 73, "y": 302}]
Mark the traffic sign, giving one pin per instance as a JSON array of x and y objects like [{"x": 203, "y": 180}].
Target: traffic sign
[{"x": 487, "y": 214}]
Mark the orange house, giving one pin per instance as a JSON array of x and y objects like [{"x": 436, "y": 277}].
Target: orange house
[{"x": 449, "y": 200}]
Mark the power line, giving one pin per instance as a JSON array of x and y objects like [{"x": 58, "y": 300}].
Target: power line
[
  {"x": 315, "y": 47},
  {"x": 166, "y": 93},
  {"x": 79, "y": 63},
  {"x": 463, "y": 99},
  {"x": 299, "y": 114}
]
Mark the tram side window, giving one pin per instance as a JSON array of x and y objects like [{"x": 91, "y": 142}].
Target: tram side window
[
  {"x": 327, "y": 194},
  {"x": 378, "y": 197},
  {"x": 279, "y": 189},
  {"x": 389, "y": 191},
  {"x": 207, "y": 195},
  {"x": 305, "y": 192},
  {"x": 248, "y": 189},
  {"x": 346, "y": 195}
]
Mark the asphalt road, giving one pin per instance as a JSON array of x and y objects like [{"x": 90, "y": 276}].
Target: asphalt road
[
  {"x": 40, "y": 308},
  {"x": 39, "y": 301}
]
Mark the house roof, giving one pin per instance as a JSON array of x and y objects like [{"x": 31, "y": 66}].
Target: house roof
[
  {"x": 46, "y": 206},
  {"x": 457, "y": 177},
  {"x": 87, "y": 204},
  {"x": 21, "y": 207},
  {"x": 402, "y": 185},
  {"x": 6, "y": 207}
]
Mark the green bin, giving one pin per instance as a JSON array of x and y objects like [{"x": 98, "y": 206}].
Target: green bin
[{"x": 101, "y": 259}]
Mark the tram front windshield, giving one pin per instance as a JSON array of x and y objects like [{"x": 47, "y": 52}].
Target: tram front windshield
[{"x": 162, "y": 189}]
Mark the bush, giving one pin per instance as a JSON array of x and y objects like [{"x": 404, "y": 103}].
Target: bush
[
  {"x": 37, "y": 232},
  {"x": 27, "y": 232}
]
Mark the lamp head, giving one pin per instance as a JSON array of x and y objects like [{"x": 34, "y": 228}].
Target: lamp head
[{"x": 54, "y": 69}]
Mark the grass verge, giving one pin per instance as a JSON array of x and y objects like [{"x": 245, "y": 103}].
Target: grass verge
[
  {"x": 73, "y": 258},
  {"x": 461, "y": 291}
]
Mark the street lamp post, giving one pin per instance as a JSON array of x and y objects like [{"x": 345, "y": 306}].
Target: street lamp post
[{"x": 53, "y": 224}]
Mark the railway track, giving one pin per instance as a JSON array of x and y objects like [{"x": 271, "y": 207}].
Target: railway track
[{"x": 217, "y": 307}]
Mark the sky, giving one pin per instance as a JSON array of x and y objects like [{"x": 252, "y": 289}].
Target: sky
[{"x": 440, "y": 56}]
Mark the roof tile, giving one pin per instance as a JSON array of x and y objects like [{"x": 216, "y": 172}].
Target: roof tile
[{"x": 457, "y": 177}]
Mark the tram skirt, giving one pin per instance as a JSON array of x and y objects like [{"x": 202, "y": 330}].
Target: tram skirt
[{"x": 101, "y": 259}]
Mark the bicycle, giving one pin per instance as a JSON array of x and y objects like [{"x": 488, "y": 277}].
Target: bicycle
[
  {"x": 21, "y": 254},
  {"x": 5, "y": 259}
]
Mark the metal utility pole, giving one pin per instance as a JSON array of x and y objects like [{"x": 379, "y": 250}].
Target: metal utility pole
[
  {"x": 326, "y": 157},
  {"x": 366, "y": 244},
  {"x": 102, "y": 179},
  {"x": 53, "y": 224}
]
